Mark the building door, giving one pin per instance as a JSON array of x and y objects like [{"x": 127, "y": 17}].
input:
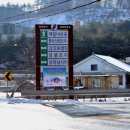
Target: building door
[{"x": 96, "y": 82}]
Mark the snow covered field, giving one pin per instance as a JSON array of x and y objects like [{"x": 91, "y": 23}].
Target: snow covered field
[{"x": 29, "y": 114}]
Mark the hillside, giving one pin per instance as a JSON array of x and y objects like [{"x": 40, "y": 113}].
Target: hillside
[
  {"x": 114, "y": 11},
  {"x": 104, "y": 11},
  {"x": 105, "y": 23}
]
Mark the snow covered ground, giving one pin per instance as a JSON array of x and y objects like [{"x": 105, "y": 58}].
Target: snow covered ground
[{"x": 29, "y": 114}]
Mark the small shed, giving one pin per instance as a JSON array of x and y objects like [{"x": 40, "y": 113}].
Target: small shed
[
  {"x": 97, "y": 81},
  {"x": 99, "y": 71}
]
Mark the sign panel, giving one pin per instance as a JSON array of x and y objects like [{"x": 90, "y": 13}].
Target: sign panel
[
  {"x": 56, "y": 62},
  {"x": 57, "y": 40},
  {"x": 8, "y": 76},
  {"x": 58, "y": 48},
  {"x": 54, "y": 41},
  {"x": 56, "y": 33},
  {"x": 53, "y": 77},
  {"x": 58, "y": 55}
]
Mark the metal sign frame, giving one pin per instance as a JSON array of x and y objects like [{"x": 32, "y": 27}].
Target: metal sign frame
[{"x": 69, "y": 28}]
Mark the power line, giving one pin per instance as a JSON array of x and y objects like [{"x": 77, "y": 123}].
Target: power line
[
  {"x": 34, "y": 10},
  {"x": 80, "y": 6},
  {"x": 64, "y": 11}
]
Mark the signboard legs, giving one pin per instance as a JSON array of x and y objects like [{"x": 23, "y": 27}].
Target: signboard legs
[
  {"x": 7, "y": 95},
  {"x": 71, "y": 61},
  {"x": 38, "y": 72}
]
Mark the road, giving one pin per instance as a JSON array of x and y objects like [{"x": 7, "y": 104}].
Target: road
[{"x": 62, "y": 115}]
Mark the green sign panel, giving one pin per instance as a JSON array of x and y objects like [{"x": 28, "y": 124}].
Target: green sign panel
[{"x": 44, "y": 47}]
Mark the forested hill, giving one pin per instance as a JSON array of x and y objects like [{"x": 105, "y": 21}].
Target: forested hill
[
  {"x": 105, "y": 30},
  {"x": 107, "y": 39},
  {"x": 111, "y": 39},
  {"x": 103, "y": 11}
]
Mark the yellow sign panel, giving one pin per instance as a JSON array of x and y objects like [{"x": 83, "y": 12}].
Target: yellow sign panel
[{"x": 8, "y": 76}]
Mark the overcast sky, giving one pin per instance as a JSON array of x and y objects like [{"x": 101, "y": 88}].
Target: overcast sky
[{"x": 17, "y": 1}]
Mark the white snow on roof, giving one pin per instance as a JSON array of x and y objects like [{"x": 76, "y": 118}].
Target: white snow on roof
[{"x": 115, "y": 62}]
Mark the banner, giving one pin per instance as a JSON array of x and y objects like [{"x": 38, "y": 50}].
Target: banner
[{"x": 53, "y": 77}]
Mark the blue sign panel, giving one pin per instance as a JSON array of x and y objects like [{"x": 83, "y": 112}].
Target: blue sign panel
[{"x": 54, "y": 77}]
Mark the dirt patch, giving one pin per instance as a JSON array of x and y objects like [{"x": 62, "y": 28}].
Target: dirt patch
[{"x": 26, "y": 86}]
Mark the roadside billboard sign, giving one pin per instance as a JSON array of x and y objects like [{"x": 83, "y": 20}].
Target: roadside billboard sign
[
  {"x": 54, "y": 50},
  {"x": 54, "y": 77}
]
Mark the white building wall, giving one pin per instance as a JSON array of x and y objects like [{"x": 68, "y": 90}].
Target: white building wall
[
  {"x": 86, "y": 66},
  {"x": 102, "y": 66}
]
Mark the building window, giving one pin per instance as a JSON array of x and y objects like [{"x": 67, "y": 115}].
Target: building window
[
  {"x": 94, "y": 67},
  {"x": 120, "y": 80}
]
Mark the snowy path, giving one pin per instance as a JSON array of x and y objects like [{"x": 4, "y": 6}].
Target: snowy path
[{"x": 24, "y": 114}]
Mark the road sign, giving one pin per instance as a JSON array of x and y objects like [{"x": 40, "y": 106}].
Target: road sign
[
  {"x": 54, "y": 49},
  {"x": 54, "y": 76},
  {"x": 8, "y": 76},
  {"x": 54, "y": 45}
]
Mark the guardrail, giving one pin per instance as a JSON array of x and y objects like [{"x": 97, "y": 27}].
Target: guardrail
[
  {"x": 84, "y": 92},
  {"x": 20, "y": 76},
  {"x": 6, "y": 89}
]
